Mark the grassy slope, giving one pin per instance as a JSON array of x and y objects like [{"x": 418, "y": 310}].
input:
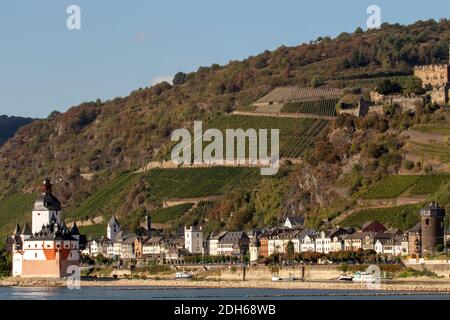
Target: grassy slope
[
  {"x": 15, "y": 209},
  {"x": 105, "y": 200}
]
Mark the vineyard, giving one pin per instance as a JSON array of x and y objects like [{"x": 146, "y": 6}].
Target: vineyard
[
  {"x": 439, "y": 128},
  {"x": 106, "y": 199},
  {"x": 296, "y": 134},
  {"x": 402, "y": 217},
  {"x": 13, "y": 208},
  {"x": 316, "y": 107},
  {"x": 169, "y": 214},
  {"x": 198, "y": 182},
  {"x": 429, "y": 184},
  {"x": 393, "y": 186}
]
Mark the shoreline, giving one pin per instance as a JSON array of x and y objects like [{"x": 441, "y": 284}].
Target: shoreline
[{"x": 399, "y": 286}]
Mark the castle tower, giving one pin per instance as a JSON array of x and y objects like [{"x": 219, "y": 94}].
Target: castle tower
[
  {"x": 193, "y": 240},
  {"x": 255, "y": 249},
  {"x": 46, "y": 207},
  {"x": 432, "y": 227}
]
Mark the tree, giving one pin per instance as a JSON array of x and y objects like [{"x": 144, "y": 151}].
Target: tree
[
  {"x": 358, "y": 30},
  {"x": 388, "y": 87},
  {"x": 414, "y": 86},
  {"x": 290, "y": 248},
  {"x": 179, "y": 78}
]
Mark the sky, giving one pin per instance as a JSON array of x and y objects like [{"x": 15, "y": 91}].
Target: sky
[{"x": 125, "y": 45}]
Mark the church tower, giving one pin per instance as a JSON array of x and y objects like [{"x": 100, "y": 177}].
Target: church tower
[
  {"x": 148, "y": 221},
  {"x": 113, "y": 228},
  {"x": 46, "y": 208}
]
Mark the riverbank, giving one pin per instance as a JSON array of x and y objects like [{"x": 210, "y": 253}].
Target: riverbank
[{"x": 425, "y": 285}]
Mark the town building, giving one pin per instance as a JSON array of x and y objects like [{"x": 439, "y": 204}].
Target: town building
[{"x": 233, "y": 243}]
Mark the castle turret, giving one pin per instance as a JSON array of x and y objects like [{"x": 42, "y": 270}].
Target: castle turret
[
  {"x": 47, "y": 208},
  {"x": 432, "y": 227}
]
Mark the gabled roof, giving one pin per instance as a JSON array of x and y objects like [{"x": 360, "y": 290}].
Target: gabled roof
[
  {"x": 233, "y": 237},
  {"x": 296, "y": 220}
]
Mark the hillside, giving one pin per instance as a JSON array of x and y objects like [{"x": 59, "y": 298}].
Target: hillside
[
  {"x": 87, "y": 149},
  {"x": 9, "y": 126}
]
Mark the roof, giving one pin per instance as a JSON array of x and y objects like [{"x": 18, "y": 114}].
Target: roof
[
  {"x": 51, "y": 232},
  {"x": 113, "y": 221},
  {"x": 416, "y": 228},
  {"x": 26, "y": 231},
  {"x": 286, "y": 94},
  {"x": 373, "y": 226},
  {"x": 296, "y": 220},
  {"x": 47, "y": 202},
  {"x": 74, "y": 230},
  {"x": 17, "y": 230},
  {"x": 233, "y": 237}
]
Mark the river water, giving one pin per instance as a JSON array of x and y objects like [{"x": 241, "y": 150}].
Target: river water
[{"x": 161, "y": 293}]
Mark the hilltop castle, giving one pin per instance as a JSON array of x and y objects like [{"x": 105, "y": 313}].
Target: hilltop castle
[
  {"x": 49, "y": 249},
  {"x": 435, "y": 78}
]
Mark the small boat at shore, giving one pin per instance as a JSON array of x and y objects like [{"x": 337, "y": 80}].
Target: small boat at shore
[
  {"x": 365, "y": 277},
  {"x": 183, "y": 275},
  {"x": 345, "y": 277},
  {"x": 276, "y": 278}
]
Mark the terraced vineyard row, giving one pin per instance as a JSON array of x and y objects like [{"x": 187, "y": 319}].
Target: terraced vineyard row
[
  {"x": 295, "y": 133},
  {"x": 305, "y": 137},
  {"x": 198, "y": 182},
  {"x": 393, "y": 186},
  {"x": 316, "y": 107}
]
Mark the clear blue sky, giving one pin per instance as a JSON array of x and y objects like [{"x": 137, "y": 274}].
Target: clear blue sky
[{"x": 124, "y": 45}]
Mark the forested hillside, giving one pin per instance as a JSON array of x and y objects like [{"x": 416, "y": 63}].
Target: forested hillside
[
  {"x": 9, "y": 126},
  {"x": 103, "y": 139}
]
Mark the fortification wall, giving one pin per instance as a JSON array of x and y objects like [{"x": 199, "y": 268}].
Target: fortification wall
[{"x": 433, "y": 75}]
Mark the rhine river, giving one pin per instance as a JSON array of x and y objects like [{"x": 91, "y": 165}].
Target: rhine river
[{"x": 152, "y": 293}]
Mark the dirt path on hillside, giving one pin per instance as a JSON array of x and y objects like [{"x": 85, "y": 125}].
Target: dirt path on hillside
[{"x": 281, "y": 115}]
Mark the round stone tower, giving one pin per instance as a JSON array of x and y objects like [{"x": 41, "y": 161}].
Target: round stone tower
[
  {"x": 432, "y": 225},
  {"x": 255, "y": 249}
]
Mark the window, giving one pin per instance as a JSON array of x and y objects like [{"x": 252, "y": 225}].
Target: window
[
  {"x": 35, "y": 255},
  {"x": 427, "y": 222}
]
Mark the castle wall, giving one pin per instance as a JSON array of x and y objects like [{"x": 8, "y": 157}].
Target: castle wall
[{"x": 433, "y": 75}]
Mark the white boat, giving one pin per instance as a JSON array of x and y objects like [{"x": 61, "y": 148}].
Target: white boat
[
  {"x": 345, "y": 277},
  {"x": 183, "y": 275},
  {"x": 278, "y": 278},
  {"x": 365, "y": 277}
]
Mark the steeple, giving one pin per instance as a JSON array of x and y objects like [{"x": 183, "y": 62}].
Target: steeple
[
  {"x": 74, "y": 230},
  {"x": 148, "y": 220},
  {"x": 16, "y": 231},
  {"x": 26, "y": 231},
  {"x": 47, "y": 186}
]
